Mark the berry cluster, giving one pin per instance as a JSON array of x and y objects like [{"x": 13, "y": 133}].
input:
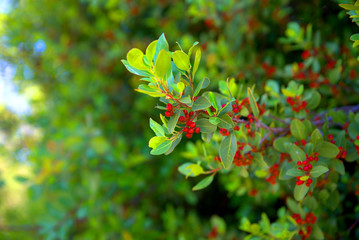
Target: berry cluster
[
  {"x": 269, "y": 70},
  {"x": 306, "y": 166},
  {"x": 217, "y": 159},
  {"x": 187, "y": 116},
  {"x": 169, "y": 109},
  {"x": 237, "y": 107},
  {"x": 224, "y": 132},
  {"x": 191, "y": 127},
  {"x": 305, "y": 224},
  {"x": 357, "y": 146},
  {"x": 240, "y": 160},
  {"x": 342, "y": 153},
  {"x": 301, "y": 142},
  {"x": 297, "y": 104},
  {"x": 331, "y": 138},
  {"x": 273, "y": 174}
]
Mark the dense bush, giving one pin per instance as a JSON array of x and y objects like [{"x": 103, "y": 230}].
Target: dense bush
[{"x": 283, "y": 83}]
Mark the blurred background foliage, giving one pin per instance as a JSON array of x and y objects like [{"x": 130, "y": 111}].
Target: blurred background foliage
[{"x": 77, "y": 164}]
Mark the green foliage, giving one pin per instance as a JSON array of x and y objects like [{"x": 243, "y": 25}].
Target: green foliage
[{"x": 284, "y": 86}]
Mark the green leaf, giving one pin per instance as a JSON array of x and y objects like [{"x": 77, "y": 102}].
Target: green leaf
[
  {"x": 206, "y": 126},
  {"x": 136, "y": 71},
  {"x": 174, "y": 144},
  {"x": 143, "y": 88},
  {"x": 353, "y": 130},
  {"x": 172, "y": 123},
  {"x": 318, "y": 170},
  {"x": 151, "y": 50},
  {"x": 296, "y": 153},
  {"x": 300, "y": 191},
  {"x": 213, "y": 100},
  {"x": 252, "y": 102},
  {"x": 293, "y": 206},
  {"x": 258, "y": 159},
  {"x": 190, "y": 169},
  {"x": 349, "y": 7},
  {"x": 294, "y": 172},
  {"x": 316, "y": 137},
  {"x": 155, "y": 141},
  {"x": 191, "y": 49},
  {"x": 354, "y": 37},
  {"x": 281, "y": 144},
  {"x": 339, "y": 166},
  {"x": 202, "y": 84},
  {"x": 163, "y": 63},
  {"x": 327, "y": 150},
  {"x": 186, "y": 100},
  {"x": 214, "y": 120},
  {"x": 135, "y": 59},
  {"x": 162, "y": 148},
  {"x": 314, "y": 100},
  {"x": 201, "y": 103},
  {"x": 161, "y": 45},
  {"x": 204, "y": 183},
  {"x": 298, "y": 129},
  {"x": 181, "y": 60},
  {"x": 227, "y": 150},
  {"x": 317, "y": 233},
  {"x": 196, "y": 62},
  {"x": 157, "y": 128},
  {"x": 225, "y": 122}
]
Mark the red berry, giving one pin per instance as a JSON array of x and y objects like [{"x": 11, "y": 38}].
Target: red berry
[
  {"x": 236, "y": 128},
  {"x": 185, "y": 129},
  {"x": 193, "y": 125},
  {"x": 191, "y": 131},
  {"x": 299, "y": 163},
  {"x": 168, "y": 114},
  {"x": 357, "y": 137},
  {"x": 191, "y": 113},
  {"x": 188, "y": 123},
  {"x": 185, "y": 111},
  {"x": 169, "y": 107},
  {"x": 189, "y": 135},
  {"x": 197, "y": 130},
  {"x": 181, "y": 119},
  {"x": 330, "y": 137}
]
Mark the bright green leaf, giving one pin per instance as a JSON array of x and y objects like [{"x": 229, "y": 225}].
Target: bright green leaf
[
  {"x": 227, "y": 150},
  {"x": 181, "y": 60}
]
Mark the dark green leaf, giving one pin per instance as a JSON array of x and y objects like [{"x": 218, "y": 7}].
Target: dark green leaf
[
  {"x": 318, "y": 170},
  {"x": 213, "y": 100},
  {"x": 202, "y": 84},
  {"x": 252, "y": 102},
  {"x": 339, "y": 166},
  {"x": 327, "y": 150},
  {"x": 298, "y": 129},
  {"x": 206, "y": 126},
  {"x": 225, "y": 122},
  {"x": 227, "y": 150},
  {"x": 296, "y": 153},
  {"x": 201, "y": 103},
  {"x": 294, "y": 172},
  {"x": 172, "y": 123},
  {"x": 300, "y": 191},
  {"x": 204, "y": 183},
  {"x": 281, "y": 144},
  {"x": 316, "y": 137}
]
